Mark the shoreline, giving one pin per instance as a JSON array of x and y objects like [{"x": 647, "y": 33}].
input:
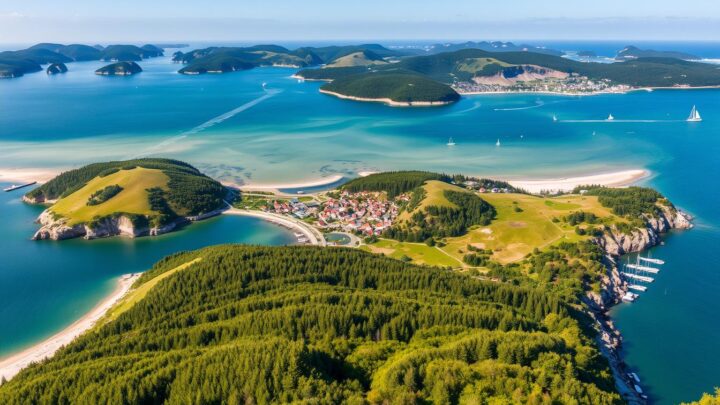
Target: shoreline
[
  {"x": 589, "y": 93},
  {"x": 313, "y": 235},
  {"x": 14, "y": 363},
  {"x": 621, "y": 178},
  {"x": 277, "y": 187},
  {"x": 388, "y": 101},
  {"x": 28, "y": 174}
]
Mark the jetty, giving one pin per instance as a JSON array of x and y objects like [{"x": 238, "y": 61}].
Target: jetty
[{"x": 18, "y": 186}]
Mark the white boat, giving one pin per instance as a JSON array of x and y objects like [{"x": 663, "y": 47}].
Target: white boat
[
  {"x": 610, "y": 118},
  {"x": 498, "y": 142},
  {"x": 629, "y": 297},
  {"x": 694, "y": 115},
  {"x": 646, "y": 269},
  {"x": 638, "y": 389},
  {"x": 637, "y": 287},
  {"x": 555, "y": 118},
  {"x": 651, "y": 260},
  {"x": 451, "y": 142},
  {"x": 634, "y": 377},
  {"x": 264, "y": 85}
]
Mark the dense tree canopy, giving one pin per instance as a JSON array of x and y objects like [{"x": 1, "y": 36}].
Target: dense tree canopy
[{"x": 277, "y": 325}]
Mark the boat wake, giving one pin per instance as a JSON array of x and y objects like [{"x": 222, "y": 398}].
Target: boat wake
[
  {"x": 537, "y": 105},
  {"x": 475, "y": 106},
  {"x": 207, "y": 124}
]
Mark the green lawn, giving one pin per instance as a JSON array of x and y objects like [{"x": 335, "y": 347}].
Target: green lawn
[
  {"x": 418, "y": 252},
  {"x": 132, "y": 199},
  {"x": 512, "y": 235}
]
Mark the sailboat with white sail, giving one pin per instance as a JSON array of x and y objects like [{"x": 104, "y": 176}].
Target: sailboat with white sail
[
  {"x": 694, "y": 115},
  {"x": 451, "y": 142}
]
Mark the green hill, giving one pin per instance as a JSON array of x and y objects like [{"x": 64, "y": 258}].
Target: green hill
[
  {"x": 360, "y": 58},
  {"x": 160, "y": 190},
  {"x": 400, "y": 88},
  {"x": 633, "y": 52},
  {"x": 463, "y": 65},
  {"x": 240, "y": 324},
  {"x": 119, "y": 69},
  {"x": 130, "y": 53},
  {"x": 56, "y": 68}
]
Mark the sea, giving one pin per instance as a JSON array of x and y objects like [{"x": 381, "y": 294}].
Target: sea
[{"x": 265, "y": 127}]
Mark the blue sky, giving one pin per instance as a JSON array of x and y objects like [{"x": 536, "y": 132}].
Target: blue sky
[{"x": 256, "y": 20}]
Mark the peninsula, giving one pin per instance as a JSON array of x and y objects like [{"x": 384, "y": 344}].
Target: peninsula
[
  {"x": 455, "y": 276},
  {"x": 130, "y": 198}
]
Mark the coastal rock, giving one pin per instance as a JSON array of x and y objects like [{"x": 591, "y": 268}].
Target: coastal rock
[{"x": 56, "y": 228}]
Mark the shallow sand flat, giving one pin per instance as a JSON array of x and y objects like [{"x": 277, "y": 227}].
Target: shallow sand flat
[
  {"x": 616, "y": 179},
  {"x": 9, "y": 175}
]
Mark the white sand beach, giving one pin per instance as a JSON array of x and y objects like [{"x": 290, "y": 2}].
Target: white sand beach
[
  {"x": 313, "y": 235},
  {"x": 27, "y": 175},
  {"x": 12, "y": 365},
  {"x": 311, "y": 183},
  {"x": 622, "y": 178}
]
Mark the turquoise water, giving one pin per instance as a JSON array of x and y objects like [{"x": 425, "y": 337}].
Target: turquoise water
[
  {"x": 46, "y": 285},
  {"x": 234, "y": 130}
]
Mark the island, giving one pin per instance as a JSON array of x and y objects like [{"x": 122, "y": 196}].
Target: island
[
  {"x": 129, "y": 198},
  {"x": 18, "y": 63},
  {"x": 459, "y": 289},
  {"x": 119, "y": 69},
  {"x": 633, "y": 52},
  {"x": 472, "y": 71},
  {"x": 56, "y": 68},
  {"x": 231, "y": 59},
  {"x": 395, "y": 89}
]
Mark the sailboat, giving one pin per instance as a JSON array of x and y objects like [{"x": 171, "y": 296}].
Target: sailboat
[
  {"x": 498, "y": 142},
  {"x": 694, "y": 115},
  {"x": 610, "y": 118},
  {"x": 451, "y": 142},
  {"x": 555, "y": 118}
]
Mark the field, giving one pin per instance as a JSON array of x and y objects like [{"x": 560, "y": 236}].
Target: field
[
  {"x": 434, "y": 197},
  {"x": 132, "y": 199},
  {"x": 418, "y": 252},
  {"x": 523, "y": 223}
]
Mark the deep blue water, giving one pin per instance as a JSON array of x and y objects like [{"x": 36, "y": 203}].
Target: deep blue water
[{"x": 234, "y": 130}]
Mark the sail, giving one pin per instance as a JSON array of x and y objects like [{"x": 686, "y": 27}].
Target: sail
[{"x": 694, "y": 115}]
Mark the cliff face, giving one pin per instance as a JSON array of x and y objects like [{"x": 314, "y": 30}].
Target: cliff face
[
  {"x": 616, "y": 243},
  {"x": 57, "y": 228}
]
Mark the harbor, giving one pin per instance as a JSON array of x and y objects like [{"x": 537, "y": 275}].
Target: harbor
[{"x": 636, "y": 273}]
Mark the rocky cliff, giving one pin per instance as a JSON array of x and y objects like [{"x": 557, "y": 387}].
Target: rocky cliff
[{"x": 56, "y": 228}]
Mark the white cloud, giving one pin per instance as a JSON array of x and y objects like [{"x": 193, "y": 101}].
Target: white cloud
[{"x": 12, "y": 14}]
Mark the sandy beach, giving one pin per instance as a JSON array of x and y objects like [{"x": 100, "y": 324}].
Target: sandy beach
[
  {"x": 310, "y": 183},
  {"x": 313, "y": 235},
  {"x": 18, "y": 175},
  {"x": 12, "y": 365},
  {"x": 622, "y": 178}
]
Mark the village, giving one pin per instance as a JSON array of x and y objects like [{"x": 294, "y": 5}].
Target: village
[
  {"x": 365, "y": 213},
  {"x": 570, "y": 85}
]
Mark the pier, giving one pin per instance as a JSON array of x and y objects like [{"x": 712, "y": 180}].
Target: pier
[{"x": 19, "y": 186}]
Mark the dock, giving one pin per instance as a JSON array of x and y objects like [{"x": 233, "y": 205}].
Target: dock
[
  {"x": 646, "y": 269},
  {"x": 637, "y": 277},
  {"x": 18, "y": 186}
]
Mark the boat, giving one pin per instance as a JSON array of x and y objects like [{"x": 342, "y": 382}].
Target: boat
[
  {"x": 610, "y": 118},
  {"x": 451, "y": 142},
  {"x": 694, "y": 115},
  {"x": 638, "y": 389},
  {"x": 644, "y": 279},
  {"x": 629, "y": 297},
  {"x": 555, "y": 118},
  {"x": 643, "y": 268},
  {"x": 17, "y": 186},
  {"x": 634, "y": 377},
  {"x": 651, "y": 260},
  {"x": 498, "y": 142},
  {"x": 264, "y": 84},
  {"x": 637, "y": 287}
]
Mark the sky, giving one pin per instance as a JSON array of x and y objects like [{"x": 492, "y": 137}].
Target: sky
[{"x": 27, "y": 21}]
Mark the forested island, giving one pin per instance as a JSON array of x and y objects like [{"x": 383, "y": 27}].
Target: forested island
[
  {"x": 56, "y": 68},
  {"x": 633, "y": 52},
  {"x": 398, "y": 89},
  {"x": 18, "y": 63},
  {"x": 479, "y": 71},
  {"x": 131, "y": 198},
  {"x": 119, "y": 69}
]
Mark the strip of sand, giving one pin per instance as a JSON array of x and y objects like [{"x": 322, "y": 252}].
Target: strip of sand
[
  {"x": 9, "y": 175},
  {"x": 311, "y": 183},
  {"x": 313, "y": 236},
  {"x": 12, "y": 365},
  {"x": 615, "y": 179}
]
